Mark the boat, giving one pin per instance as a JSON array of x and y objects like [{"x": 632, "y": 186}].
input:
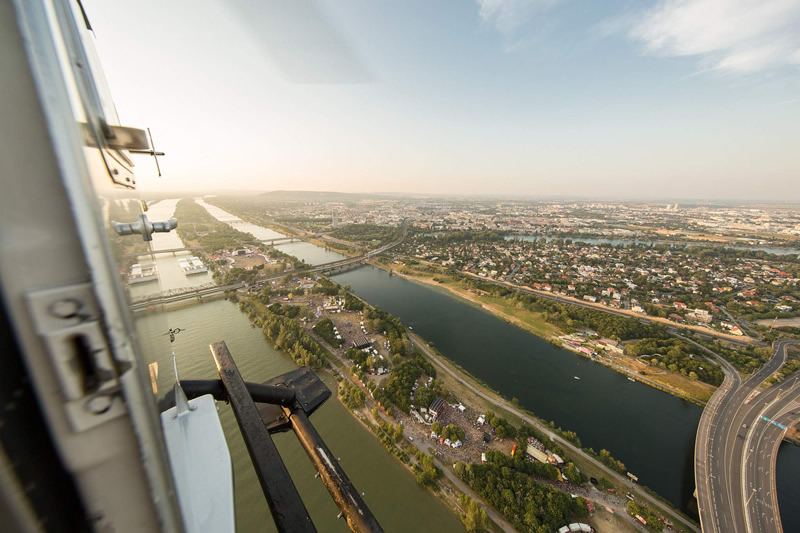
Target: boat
[
  {"x": 631, "y": 379},
  {"x": 143, "y": 273},
  {"x": 192, "y": 265},
  {"x": 576, "y": 377}
]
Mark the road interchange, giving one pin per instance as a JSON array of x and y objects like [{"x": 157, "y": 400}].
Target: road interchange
[{"x": 735, "y": 448}]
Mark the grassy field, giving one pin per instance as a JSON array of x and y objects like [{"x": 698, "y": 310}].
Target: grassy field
[{"x": 688, "y": 387}]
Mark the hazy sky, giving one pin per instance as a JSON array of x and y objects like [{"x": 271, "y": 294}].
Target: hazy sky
[{"x": 612, "y": 98}]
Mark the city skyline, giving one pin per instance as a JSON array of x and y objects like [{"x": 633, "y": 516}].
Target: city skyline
[
  {"x": 668, "y": 100},
  {"x": 500, "y": 197}
]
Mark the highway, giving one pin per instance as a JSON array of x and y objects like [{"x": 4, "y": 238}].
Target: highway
[
  {"x": 729, "y": 426},
  {"x": 758, "y": 464}
]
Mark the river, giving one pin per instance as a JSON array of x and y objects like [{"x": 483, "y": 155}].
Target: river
[
  {"x": 390, "y": 489},
  {"x": 650, "y": 431},
  {"x": 626, "y": 242}
]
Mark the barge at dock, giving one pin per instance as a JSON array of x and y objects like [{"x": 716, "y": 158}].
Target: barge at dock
[
  {"x": 192, "y": 265},
  {"x": 143, "y": 273}
]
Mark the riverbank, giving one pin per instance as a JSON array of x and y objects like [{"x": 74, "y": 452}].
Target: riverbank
[{"x": 679, "y": 386}]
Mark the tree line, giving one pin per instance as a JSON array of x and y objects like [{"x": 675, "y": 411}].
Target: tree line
[
  {"x": 677, "y": 356},
  {"x": 459, "y": 236},
  {"x": 324, "y": 328},
  {"x": 506, "y": 484},
  {"x": 570, "y": 317},
  {"x": 401, "y": 383},
  {"x": 381, "y": 321},
  {"x": 366, "y": 233},
  {"x": 287, "y": 334},
  {"x": 351, "y": 396},
  {"x": 652, "y": 519}
]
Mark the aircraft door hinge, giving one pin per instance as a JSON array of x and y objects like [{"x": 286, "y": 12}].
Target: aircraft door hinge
[{"x": 68, "y": 319}]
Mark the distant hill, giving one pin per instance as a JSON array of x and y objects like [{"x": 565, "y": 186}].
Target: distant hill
[{"x": 318, "y": 196}]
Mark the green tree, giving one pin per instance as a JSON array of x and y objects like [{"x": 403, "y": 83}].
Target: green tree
[
  {"x": 572, "y": 474},
  {"x": 474, "y": 516},
  {"x": 427, "y": 473},
  {"x": 500, "y": 432}
]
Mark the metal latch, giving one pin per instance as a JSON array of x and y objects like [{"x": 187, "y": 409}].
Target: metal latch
[
  {"x": 68, "y": 319},
  {"x": 144, "y": 227}
]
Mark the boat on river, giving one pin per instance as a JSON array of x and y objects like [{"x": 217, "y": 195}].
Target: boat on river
[{"x": 143, "y": 273}]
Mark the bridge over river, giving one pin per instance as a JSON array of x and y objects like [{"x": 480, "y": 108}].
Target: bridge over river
[
  {"x": 268, "y": 242},
  {"x": 184, "y": 293},
  {"x": 198, "y": 293}
]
